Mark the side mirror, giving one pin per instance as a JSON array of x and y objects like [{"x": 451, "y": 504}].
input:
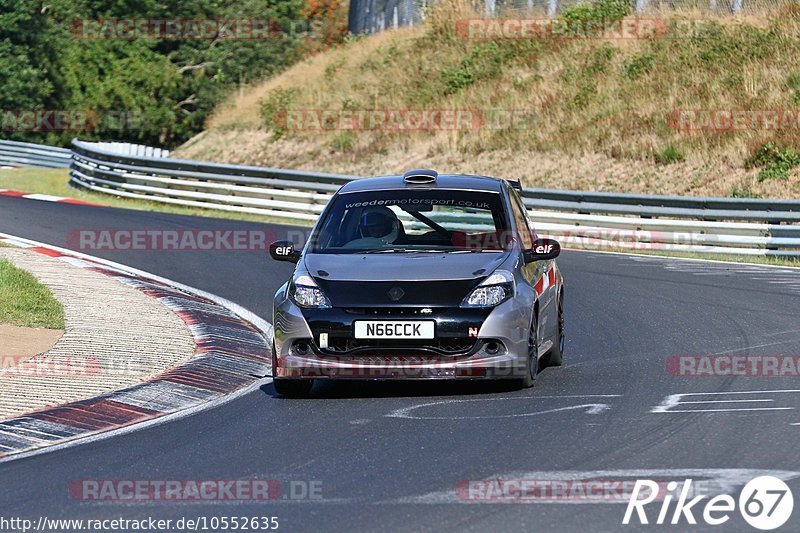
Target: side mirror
[
  {"x": 542, "y": 250},
  {"x": 284, "y": 251}
]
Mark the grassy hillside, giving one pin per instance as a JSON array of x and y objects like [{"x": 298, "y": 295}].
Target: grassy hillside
[{"x": 584, "y": 113}]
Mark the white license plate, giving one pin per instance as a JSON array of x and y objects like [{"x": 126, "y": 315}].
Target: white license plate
[{"x": 394, "y": 329}]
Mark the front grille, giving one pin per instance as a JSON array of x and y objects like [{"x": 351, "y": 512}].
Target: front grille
[
  {"x": 396, "y": 311},
  {"x": 349, "y": 294},
  {"x": 442, "y": 346}
]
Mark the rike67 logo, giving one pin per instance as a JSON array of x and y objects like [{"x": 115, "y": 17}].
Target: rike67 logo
[{"x": 765, "y": 503}]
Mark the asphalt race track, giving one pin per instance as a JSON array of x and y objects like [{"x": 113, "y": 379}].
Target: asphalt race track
[{"x": 389, "y": 456}]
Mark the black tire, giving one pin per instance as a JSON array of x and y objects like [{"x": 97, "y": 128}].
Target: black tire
[
  {"x": 533, "y": 356},
  {"x": 274, "y": 358},
  {"x": 293, "y": 388},
  {"x": 555, "y": 357}
]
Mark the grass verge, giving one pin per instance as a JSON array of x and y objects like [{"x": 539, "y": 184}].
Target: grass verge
[{"x": 25, "y": 302}]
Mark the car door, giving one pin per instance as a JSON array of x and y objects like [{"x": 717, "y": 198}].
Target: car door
[
  {"x": 538, "y": 273},
  {"x": 550, "y": 272}
]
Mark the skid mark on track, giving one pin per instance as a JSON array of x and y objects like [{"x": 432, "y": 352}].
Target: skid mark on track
[
  {"x": 793, "y": 337},
  {"x": 787, "y": 279}
]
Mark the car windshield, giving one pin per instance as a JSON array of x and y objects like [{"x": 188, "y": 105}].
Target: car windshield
[{"x": 430, "y": 220}]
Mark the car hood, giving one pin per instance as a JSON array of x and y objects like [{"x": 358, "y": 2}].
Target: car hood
[{"x": 402, "y": 266}]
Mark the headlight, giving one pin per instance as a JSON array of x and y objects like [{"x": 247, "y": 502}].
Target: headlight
[
  {"x": 492, "y": 291},
  {"x": 305, "y": 293}
]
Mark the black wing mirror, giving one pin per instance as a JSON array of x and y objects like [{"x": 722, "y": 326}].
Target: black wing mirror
[
  {"x": 284, "y": 251},
  {"x": 542, "y": 250}
]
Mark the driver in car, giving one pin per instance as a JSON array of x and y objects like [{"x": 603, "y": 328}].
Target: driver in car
[{"x": 378, "y": 228}]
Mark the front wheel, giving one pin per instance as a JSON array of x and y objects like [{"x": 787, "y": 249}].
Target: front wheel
[
  {"x": 293, "y": 388},
  {"x": 533, "y": 356}
]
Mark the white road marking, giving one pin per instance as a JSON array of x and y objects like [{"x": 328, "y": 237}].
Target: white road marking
[
  {"x": 674, "y": 400},
  {"x": 45, "y": 197},
  {"x": 591, "y": 408},
  {"x": 18, "y": 244},
  {"x": 731, "y": 410},
  {"x": 728, "y": 401},
  {"x": 80, "y": 263}
]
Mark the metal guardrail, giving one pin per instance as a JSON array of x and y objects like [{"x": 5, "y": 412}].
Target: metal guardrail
[
  {"x": 582, "y": 219},
  {"x": 288, "y": 194},
  {"x": 131, "y": 149},
  {"x": 18, "y": 154},
  {"x": 776, "y": 211}
]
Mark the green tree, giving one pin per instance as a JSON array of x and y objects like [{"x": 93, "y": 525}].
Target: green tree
[{"x": 154, "y": 91}]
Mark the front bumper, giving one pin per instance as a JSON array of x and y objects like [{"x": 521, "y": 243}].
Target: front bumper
[
  {"x": 469, "y": 343},
  {"x": 486, "y": 367}
]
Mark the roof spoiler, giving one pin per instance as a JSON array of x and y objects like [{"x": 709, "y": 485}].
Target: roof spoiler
[
  {"x": 420, "y": 176},
  {"x": 516, "y": 184}
]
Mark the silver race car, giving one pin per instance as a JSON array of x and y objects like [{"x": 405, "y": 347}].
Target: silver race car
[{"x": 420, "y": 276}]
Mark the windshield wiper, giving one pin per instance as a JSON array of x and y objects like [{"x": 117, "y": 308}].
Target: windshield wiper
[{"x": 404, "y": 250}]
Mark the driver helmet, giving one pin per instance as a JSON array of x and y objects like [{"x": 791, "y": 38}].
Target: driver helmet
[{"x": 380, "y": 223}]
